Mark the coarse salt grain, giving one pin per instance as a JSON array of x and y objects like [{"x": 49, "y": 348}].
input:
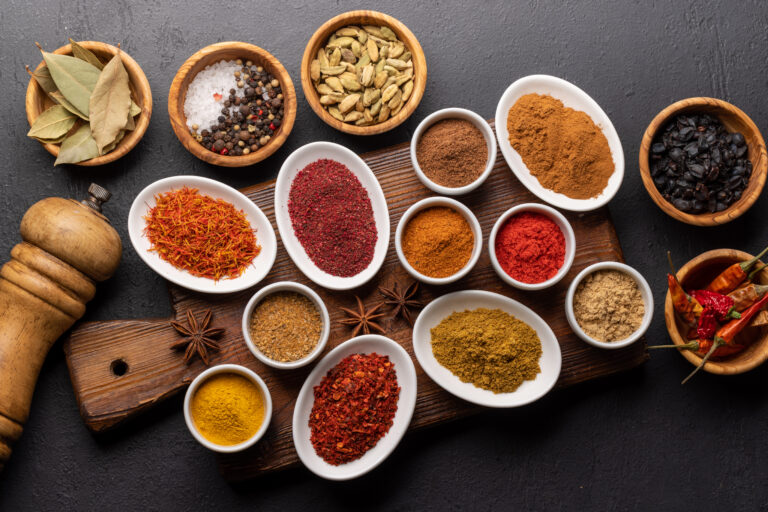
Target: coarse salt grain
[{"x": 207, "y": 92}]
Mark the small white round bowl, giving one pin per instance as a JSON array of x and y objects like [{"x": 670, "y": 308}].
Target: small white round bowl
[
  {"x": 529, "y": 391},
  {"x": 557, "y": 218},
  {"x": 265, "y": 235},
  {"x": 454, "y": 113},
  {"x": 295, "y": 162},
  {"x": 431, "y": 202},
  {"x": 248, "y": 374},
  {"x": 406, "y": 403},
  {"x": 287, "y": 286},
  {"x": 645, "y": 292},
  {"x": 572, "y": 97}
]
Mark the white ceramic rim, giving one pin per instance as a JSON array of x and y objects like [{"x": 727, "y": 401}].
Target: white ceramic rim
[
  {"x": 578, "y": 100},
  {"x": 565, "y": 227},
  {"x": 265, "y": 235},
  {"x": 291, "y": 166},
  {"x": 248, "y": 374},
  {"x": 454, "y": 113},
  {"x": 645, "y": 292},
  {"x": 529, "y": 391},
  {"x": 406, "y": 403},
  {"x": 287, "y": 286},
  {"x": 431, "y": 202}
]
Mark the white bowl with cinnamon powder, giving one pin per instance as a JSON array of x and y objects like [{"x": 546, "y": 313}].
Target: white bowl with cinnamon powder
[
  {"x": 447, "y": 151},
  {"x": 609, "y": 305}
]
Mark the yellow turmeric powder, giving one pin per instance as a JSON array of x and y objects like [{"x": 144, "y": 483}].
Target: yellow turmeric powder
[{"x": 227, "y": 409}]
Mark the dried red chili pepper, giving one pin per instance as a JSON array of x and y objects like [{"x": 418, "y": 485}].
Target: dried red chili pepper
[
  {"x": 355, "y": 405},
  {"x": 722, "y": 305},
  {"x": 707, "y": 326}
]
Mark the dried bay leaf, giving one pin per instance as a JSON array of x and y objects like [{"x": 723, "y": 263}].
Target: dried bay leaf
[
  {"x": 115, "y": 142},
  {"x": 135, "y": 109},
  {"x": 78, "y": 147},
  {"x": 51, "y": 141},
  {"x": 74, "y": 78},
  {"x": 52, "y": 124},
  {"x": 43, "y": 77},
  {"x": 130, "y": 124},
  {"x": 61, "y": 100},
  {"x": 85, "y": 54},
  {"x": 110, "y": 103}
]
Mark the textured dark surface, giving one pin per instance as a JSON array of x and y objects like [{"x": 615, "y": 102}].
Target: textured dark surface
[{"x": 635, "y": 442}]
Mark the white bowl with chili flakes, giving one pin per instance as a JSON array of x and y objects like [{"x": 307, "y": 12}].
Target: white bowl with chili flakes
[{"x": 287, "y": 286}]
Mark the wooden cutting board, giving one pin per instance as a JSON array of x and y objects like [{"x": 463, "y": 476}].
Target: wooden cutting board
[{"x": 121, "y": 368}]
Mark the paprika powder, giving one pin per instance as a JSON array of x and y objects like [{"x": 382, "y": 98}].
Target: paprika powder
[{"x": 530, "y": 247}]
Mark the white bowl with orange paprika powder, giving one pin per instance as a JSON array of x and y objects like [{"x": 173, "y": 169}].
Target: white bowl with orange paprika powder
[{"x": 532, "y": 246}]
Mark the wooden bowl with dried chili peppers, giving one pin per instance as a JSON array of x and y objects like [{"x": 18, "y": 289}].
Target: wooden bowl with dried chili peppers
[{"x": 716, "y": 305}]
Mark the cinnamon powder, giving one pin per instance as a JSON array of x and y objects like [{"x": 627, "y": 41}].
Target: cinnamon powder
[
  {"x": 452, "y": 153},
  {"x": 563, "y": 148}
]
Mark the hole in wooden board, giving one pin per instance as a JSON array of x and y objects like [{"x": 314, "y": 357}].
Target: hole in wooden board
[{"x": 119, "y": 367}]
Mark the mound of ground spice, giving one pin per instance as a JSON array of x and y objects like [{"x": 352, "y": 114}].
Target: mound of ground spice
[
  {"x": 285, "y": 326},
  {"x": 452, "y": 153},
  {"x": 332, "y": 217},
  {"x": 530, "y": 247},
  {"x": 608, "y": 305},
  {"x": 438, "y": 241},
  {"x": 563, "y": 148}
]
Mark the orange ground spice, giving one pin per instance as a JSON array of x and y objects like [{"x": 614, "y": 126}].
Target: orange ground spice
[{"x": 438, "y": 241}]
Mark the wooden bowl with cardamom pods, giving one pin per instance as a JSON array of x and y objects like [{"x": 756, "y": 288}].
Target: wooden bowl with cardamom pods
[
  {"x": 229, "y": 50},
  {"x": 37, "y": 101},
  {"x": 358, "y": 19}
]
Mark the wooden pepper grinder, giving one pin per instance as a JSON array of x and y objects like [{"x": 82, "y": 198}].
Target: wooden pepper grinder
[{"x": 67, "y": 246}]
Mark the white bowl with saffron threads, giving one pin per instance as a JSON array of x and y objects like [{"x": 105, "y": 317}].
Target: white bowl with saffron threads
[
  {"x": 565, "y": 228},
  {"x": 464, "y": 115},
  {"x": 248, "y": 375},
  {"x": 432, "y": 202},
  {"x": 287, "y": 286}
]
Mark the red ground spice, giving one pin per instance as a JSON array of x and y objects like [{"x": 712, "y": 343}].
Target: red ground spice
[
  {"x": 530, "y": 247},
  {"x": 354, "y": 407},
  {"x": 332, "y": 217}
]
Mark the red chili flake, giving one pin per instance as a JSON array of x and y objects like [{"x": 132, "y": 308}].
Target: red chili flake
[
  {"x": 354, "y": 407},
  {"x": 332, "y": 217},
  {"x": 216, "y": 96},
  {"x": 224, "y": 151},
  {"x": 272, "y": 126}
]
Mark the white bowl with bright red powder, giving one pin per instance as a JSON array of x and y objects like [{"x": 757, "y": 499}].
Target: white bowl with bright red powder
[
  {"x": 291, "y": 168},
  {"x": 532, "y": 239}
]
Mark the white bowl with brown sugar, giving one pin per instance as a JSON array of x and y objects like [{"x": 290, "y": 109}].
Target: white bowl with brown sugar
[{"x": 609, "y": 305}]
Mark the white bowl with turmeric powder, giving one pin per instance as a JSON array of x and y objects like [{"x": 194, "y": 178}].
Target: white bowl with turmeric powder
[
  {"x": 227, "y": 408},
  {"x": 609, "y": 305}
]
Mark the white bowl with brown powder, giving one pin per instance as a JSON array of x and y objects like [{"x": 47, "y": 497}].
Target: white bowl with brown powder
[{"x": 609, "y": 305}]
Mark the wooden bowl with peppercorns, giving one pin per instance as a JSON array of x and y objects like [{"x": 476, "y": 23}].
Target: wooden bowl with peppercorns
[
  {"x": 226, "y": 51},
  {"x": 320, "y": 39}
]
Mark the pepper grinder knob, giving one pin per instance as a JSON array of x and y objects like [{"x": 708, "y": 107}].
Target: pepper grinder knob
[{"x": 98, "y": 195}]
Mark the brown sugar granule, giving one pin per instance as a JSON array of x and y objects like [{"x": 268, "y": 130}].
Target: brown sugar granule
[
  {"x": 285, "y": 326},
  {"x": 608, "y": 305},
  {"x": 563, "y": 148},
  {"x": 452, "y": 153}
]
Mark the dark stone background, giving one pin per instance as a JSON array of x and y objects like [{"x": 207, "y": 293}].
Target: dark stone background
[{"x": 638, "y": 441}]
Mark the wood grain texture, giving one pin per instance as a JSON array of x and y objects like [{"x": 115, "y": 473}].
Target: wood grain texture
[
  {"x": 229, "y": 50},
  {"x": 320, "y": 37},
  {"x": 697, "y": 274},
  {"x": 155, "y": 372},
  {"x": 37, "y": 101},
  {"x": 735, "y": 120}
]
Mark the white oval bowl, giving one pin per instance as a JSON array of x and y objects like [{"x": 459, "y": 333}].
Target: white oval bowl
[
  {"x": 645, "y": 292},
  {"x": 406, "y": 379},
  {"x": 299, "y": 159},
  {"x": 565, "y": 228},
  {"x": 572, "y": 97},
  {"x": 529, "y": 391},
  {"x": 265, "y": 235},
  {"x": 431, "y": 202},
  {"x": 248, "y": 374},
  {"x": 454, "y": 113},
  {"x": 287, "y": 286}
]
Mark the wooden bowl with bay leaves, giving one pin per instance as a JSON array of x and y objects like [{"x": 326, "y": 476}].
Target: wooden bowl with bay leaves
[
  {"x": 697, "y": 274},
  {"x": 37, "y": 101},
  {"x": 230, "y": 50},
  {"x": 320, "y": 38}
]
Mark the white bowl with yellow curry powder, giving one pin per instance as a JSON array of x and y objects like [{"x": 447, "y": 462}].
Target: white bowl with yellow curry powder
[{"x": 227, "y": 408}]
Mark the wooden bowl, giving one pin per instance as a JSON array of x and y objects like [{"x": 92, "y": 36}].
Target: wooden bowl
[
  {"x": 37, "y": 101},
  {"x": 320, "y": 37},
  {"x": 735, "y": 120},
  {"x": 229, "y": 50},
  {"x": 697, "y": 274}
]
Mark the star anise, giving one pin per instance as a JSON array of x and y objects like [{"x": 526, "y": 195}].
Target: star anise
[
  {"x": 363, "y": 319},
  {"x": 198, "y": 337},
  {"x": 402, "y": 302}
]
